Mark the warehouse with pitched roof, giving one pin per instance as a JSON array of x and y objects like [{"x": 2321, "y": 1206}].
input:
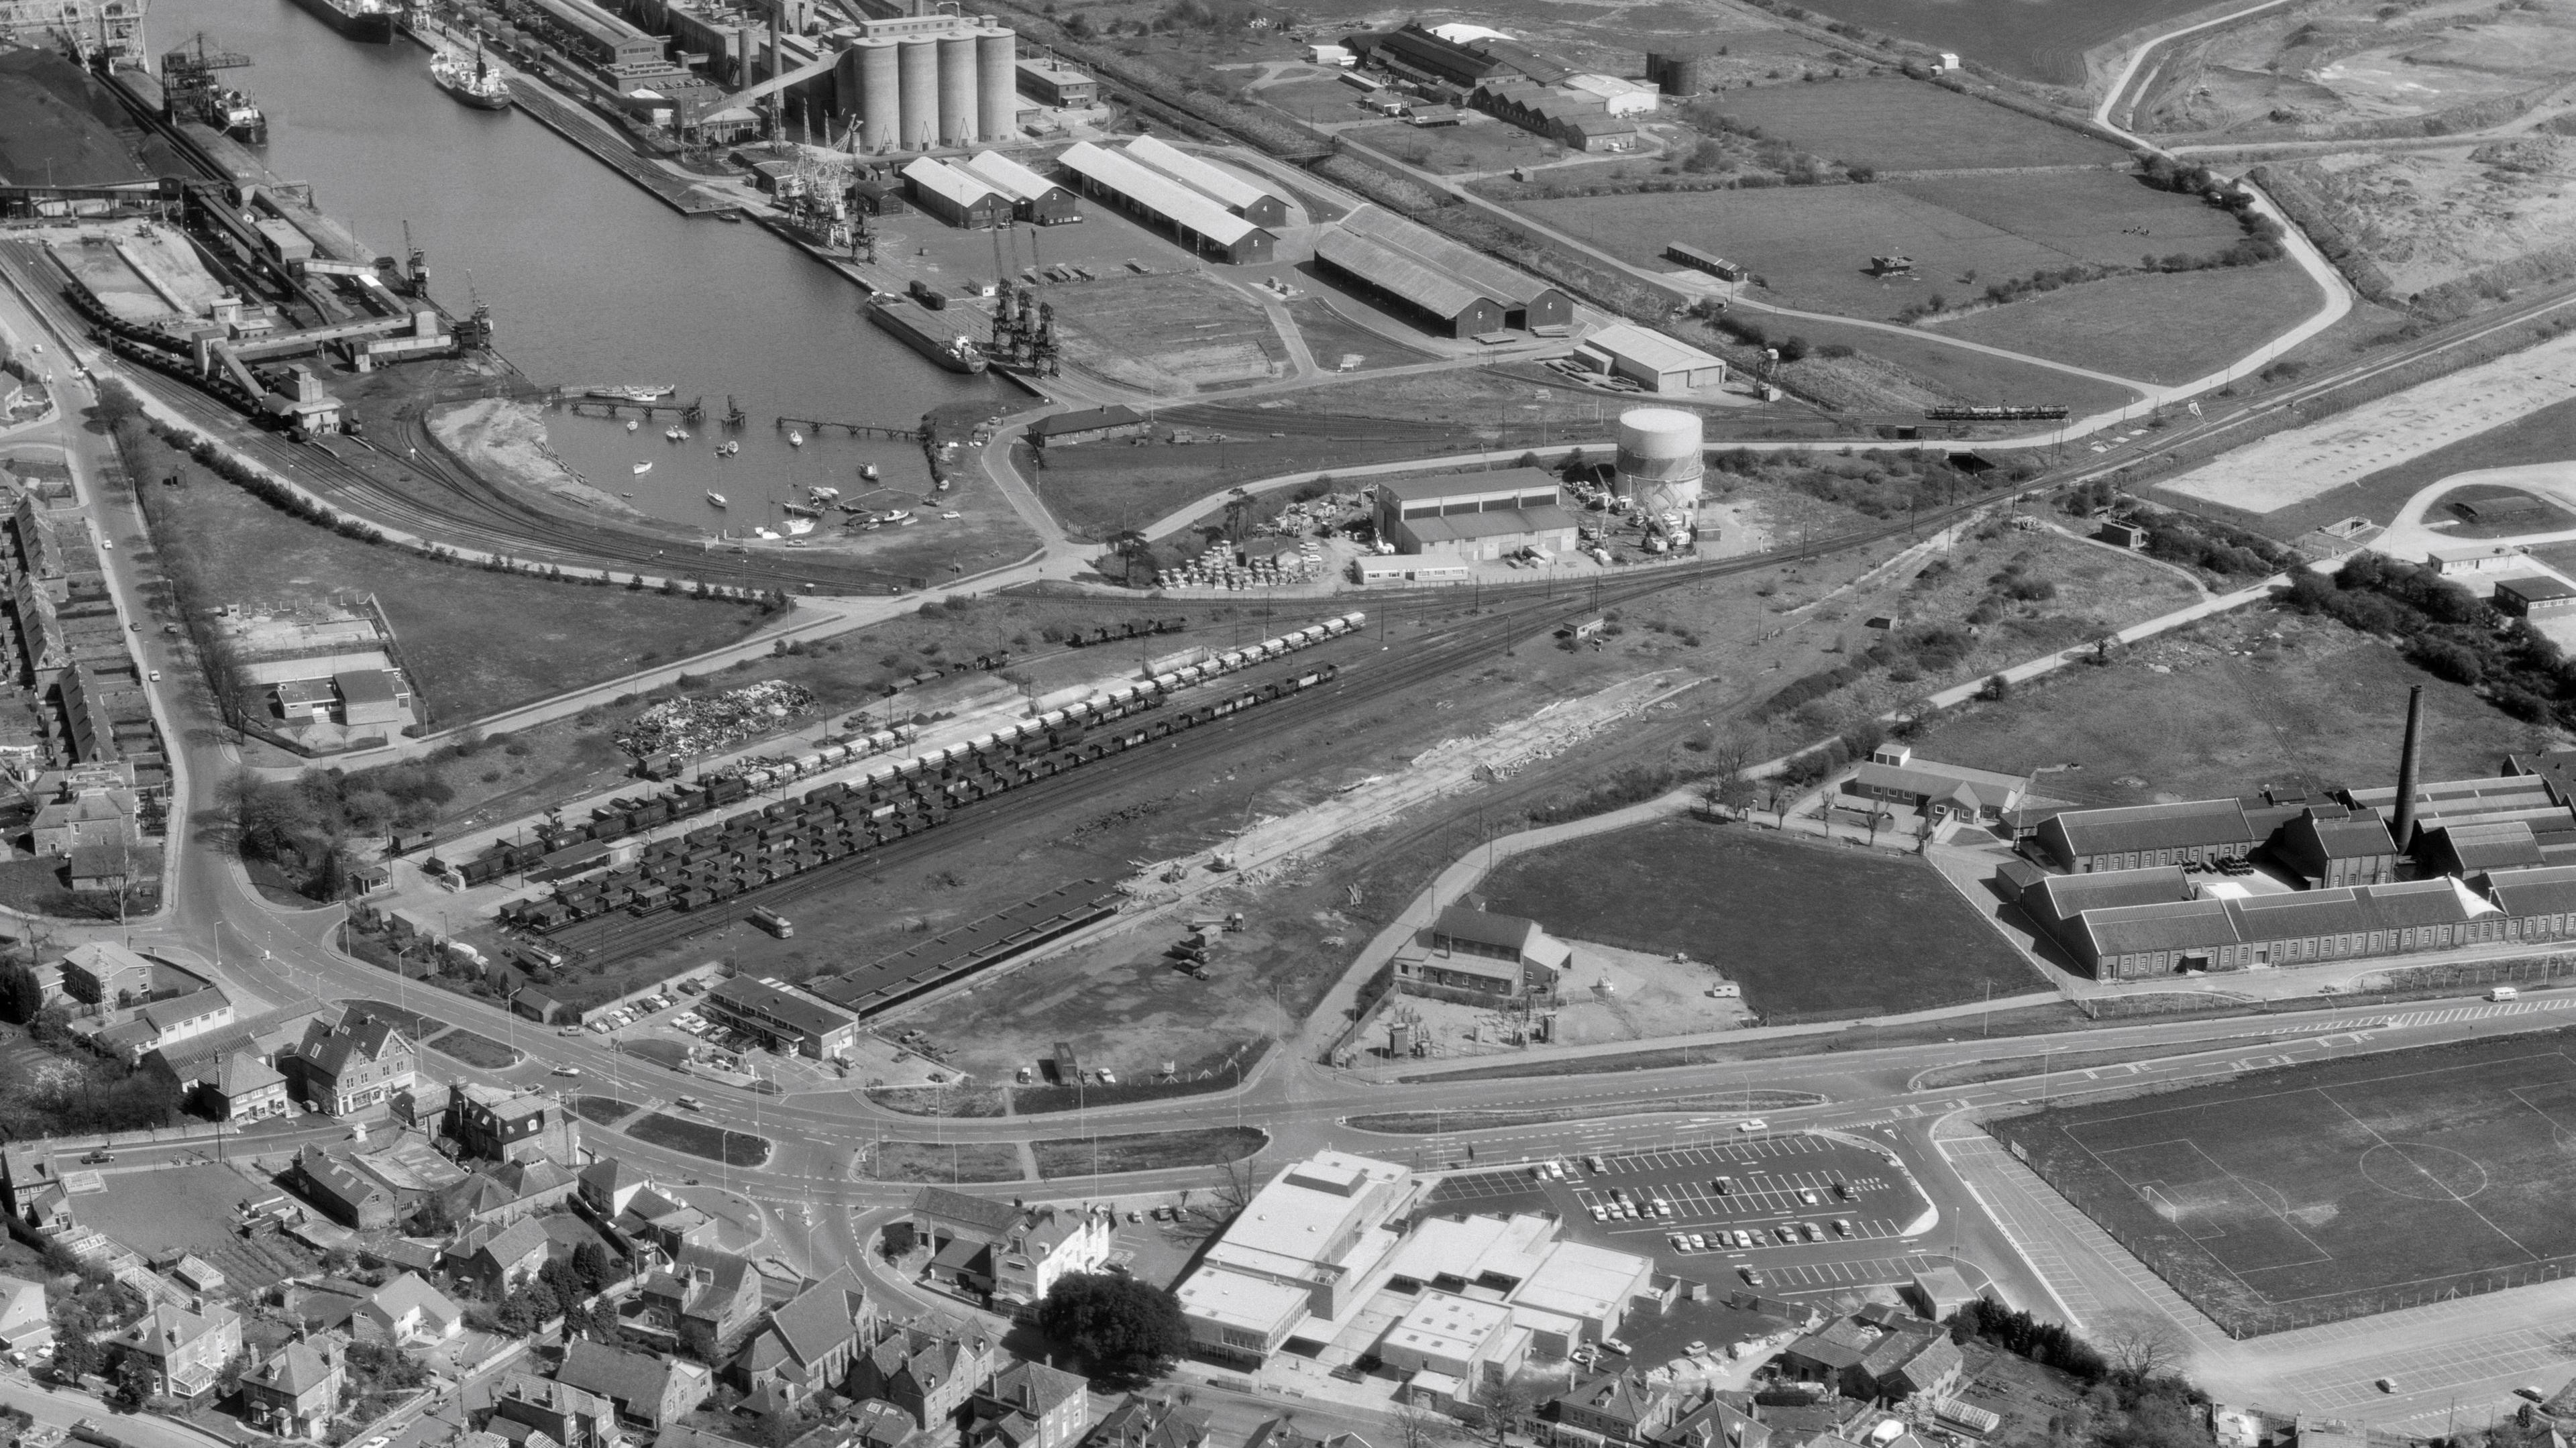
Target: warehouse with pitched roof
[
  {"x": 1403, "y": 285},
  {"x": 1033, "y": 197},
  {"x": 1527, "y": 301},
  {"x": 955, "y": 196},
  {"x": 1195, "y": 221}
]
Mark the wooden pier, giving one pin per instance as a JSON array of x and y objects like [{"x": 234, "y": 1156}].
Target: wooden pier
[
  {"x": 815, "y": 426},
  {"x": 579, "y": 400}
]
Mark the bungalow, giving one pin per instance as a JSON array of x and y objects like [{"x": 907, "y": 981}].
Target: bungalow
[
  {"x": 1936, "y": 791},
  {"x": 409, "y": 1310}
]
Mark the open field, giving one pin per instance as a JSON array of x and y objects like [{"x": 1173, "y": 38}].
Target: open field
[
  {"x": 1073, "y": 1156},
  {"x": 2333, "y": 1190},
  {"x": 1895, "y": 124},
  {"x": 2302, "y": 69},
  {"x": 1786, "y": 919},
  {"x": 2317, "y": 705},
  {"x": 1479, "y": 143},
  {"x": 475, "y": 1050},
  {"x": 2545, "y": 436},
  {"x": 699, "y": 1138},
  {"x": 926, "y": 1161},
  {"x": 1810, "y": 246},
  {"x": 2036, "y": 42},
  {"x": 2163, "y": 327},
  {"x": 1169, "y": 334},
  {"x": 562, "y": 636}
]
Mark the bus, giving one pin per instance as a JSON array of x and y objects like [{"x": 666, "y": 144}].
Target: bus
[{"x": 773, "y": 922}]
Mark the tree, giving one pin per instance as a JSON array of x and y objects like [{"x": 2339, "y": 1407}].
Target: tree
[
  {"x": 590, "y": 1263},
  {"x": 76, "y": 1356},
  {"x": 434, "y": 1217},
  {"x": 1125, "y": 1331},
  {"x": 2141, "y": 1347},
  {"x": 20, "y": 995},
  {"x": 1415, "y": 1428},
  {"x": 1506, "y": 1402},
  {"x": 136, "y": 1380}
]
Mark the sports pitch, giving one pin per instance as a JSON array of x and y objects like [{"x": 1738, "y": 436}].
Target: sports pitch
[{"x": 2337, "y": 1190}]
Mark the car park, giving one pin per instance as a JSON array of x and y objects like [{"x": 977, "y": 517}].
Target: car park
[
  {"x": 1751, "y": 1277},
  {"x": 1598, "y": 1214},
  {"x": 1811, "y": 1231},
  {"x": 1842, "y": 1192}
]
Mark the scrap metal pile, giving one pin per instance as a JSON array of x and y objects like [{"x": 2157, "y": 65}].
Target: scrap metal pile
[{"x": 716, "y": 721}]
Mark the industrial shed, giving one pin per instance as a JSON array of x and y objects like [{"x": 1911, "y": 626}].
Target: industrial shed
[
  {"x": 955, "y": 196},
  {"x": 1475, "y": 515},
  {"x": 1527, "y": 302},
  {"x": 1403, "y": 284},
  {"x": 1219, "y": 185},
  {"x": 1656, "y": 361},
  {"x": 1033, "y": 197},
  {"x": 1196, "y": 221}
]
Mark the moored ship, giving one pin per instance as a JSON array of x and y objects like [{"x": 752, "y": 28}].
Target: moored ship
[
  {"x": 473, "y": 81},
  {"x": 924, "y": 334},
  {"x": 365, "y": 20}
]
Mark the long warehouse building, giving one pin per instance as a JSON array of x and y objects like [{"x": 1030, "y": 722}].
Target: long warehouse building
[
  {"x": 1033, "y": 197},
  {"x": 1526, "y": 301},
  {"x": 1403, "y": 284},
  {"x": 1196, "y": 221},
  {"x": 1226, "y": 189}
]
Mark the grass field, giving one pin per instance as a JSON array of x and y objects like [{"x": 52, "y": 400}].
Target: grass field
[
  {"x": 1074, "y": 1156},
  {"x": 2316, "y": 706},
  {"x": 1896, "y": 124},
  {"x": 262, "y": 561},
  {"x": 475, "y": 1050},
  {"x": 1479, "y": 143},
  {"x": 927, "y": 1161},
  {"x": 2335, "y": 1190},
  {"x": 698, "y": 1138},
  {"x": 1780, "y": 916},
  {"x": 602, "y": 1110},
  {"x": 2166, "y": 327},
  {"x": 2546, "y": 436}
]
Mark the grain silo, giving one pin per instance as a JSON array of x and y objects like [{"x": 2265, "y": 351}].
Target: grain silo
[
  {"x": 918, "y": 121},
  {"x": 1659, "y": 460},
  {"x": 957, "y": 109},
  {"x": 878, "y": 102},
  {"x": 997, "y": 82}
]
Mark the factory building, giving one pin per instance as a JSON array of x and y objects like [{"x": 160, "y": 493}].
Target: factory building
[
  {"x": 1473, "y": 516},
  {"x": 1219, "y": 185},
  {"x": 1463, "y": 58},
  {"x": 1051, "y": 82},
  {"x": 1033, "y": 197},
  {"x": 919, "y": 82},
  {"x": 1650, "y": 359},
  {"x": 954, "y": 196},
  {"x": 1527, "y": 302},
  {"x": 595, "y": 35},
  {"x": 1196, "y": 221}
]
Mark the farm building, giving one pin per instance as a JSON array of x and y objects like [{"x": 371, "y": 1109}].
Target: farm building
[
  {"x": 1894, "y": 775},
  {"x": 1404, "y": 284},
  {"x": 954, "y": 196},
  {"x": 1197, "y": 222},
  {"x": 2537, "y": 596},
  {"x": 1053, "y": 83},
  {"x": 1226, "y": 189},
  {"x": 1475, "y": 515},
  {"x": 1033, "y": 197},
  {"x": 1651, "y": 359},
  {"x": 1527, "y": 302}
]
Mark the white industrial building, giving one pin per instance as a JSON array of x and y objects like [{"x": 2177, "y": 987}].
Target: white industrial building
[
  {"x": 1652, "y": 360},
  {"x": 1226, "y": 189},
  {"x": 1622, "y": 97},
  {"x": 1321, "y": 1248},
  {"x": 1198, "y": 221}
]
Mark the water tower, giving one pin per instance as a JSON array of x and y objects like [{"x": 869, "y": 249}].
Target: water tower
[{"x": 1659, "y": 460}]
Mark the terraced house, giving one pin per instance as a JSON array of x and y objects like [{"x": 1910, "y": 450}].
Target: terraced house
[{"x": 344, "y": 1069}]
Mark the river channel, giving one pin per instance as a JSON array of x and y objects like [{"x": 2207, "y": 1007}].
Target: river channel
[{"x": 590, "y": 279}]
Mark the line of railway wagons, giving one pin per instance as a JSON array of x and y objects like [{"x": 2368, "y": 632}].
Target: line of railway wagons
[{"x": 719, "y": 861}]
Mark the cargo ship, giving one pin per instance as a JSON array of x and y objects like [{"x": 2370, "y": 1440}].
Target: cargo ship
[
  {"x": 927, "y": 335},
  {"x": 365, "y": 20},
  {"x": 473, "y": 82}
]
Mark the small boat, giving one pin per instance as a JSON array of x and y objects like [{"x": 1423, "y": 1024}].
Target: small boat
[
  {"x": 795, "y": 438},
  {"x": 799, "y": 527},
  {"x": 641, "y": 469},
  {"x": 632, "y": 392},
  {"x": 632, "y": 424},
  {"x": 626, "y": 495},
  {"x": 868, "y": 472},
  {"x": 733, "y": 216},
  {"x": 670, "y": 434},
  {"x": 823, "y": 495},
  {"x": 683, "y": 432},
  {"x": 764, "y": 533},
  {"x": 732, "y": 448},
  {"x": 717, "y": 498}
]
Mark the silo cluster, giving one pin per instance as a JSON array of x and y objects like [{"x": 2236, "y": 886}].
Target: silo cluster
[
  {"x": 1659, "y": 460},
  {"x": 916, "y": 84}
]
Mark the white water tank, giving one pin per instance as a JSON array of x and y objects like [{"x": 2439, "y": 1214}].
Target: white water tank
[{"x": 1659, "y": 459}]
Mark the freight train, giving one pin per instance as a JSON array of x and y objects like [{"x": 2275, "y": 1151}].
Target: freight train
[
  {"x": 724, "y": 857},
  {"x": 720, "y": 860}
]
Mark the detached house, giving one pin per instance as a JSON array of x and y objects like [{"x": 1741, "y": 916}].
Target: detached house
[
  {"x": 648, "y": 1390},
  {"x": 408, "y": 1310},
  {"x": 295, "y": 1393},
  {"x": 25, "y": 1322},
  {"x": 184, "y": 1349},
  {"x": 930, "y": 1374},
  {"x": 499, "y": 1258},
  {"x": 708, "y": 1300},
  {"x": 809, "y": 1343},
  {"x": 1029, "y": 1405},
  {"x": 1007, "y": 1254},
  {"x": 345, "y": 1069},
  {"x": 530, "y": 1405},
  {"x": 1621, "y": 1407}
]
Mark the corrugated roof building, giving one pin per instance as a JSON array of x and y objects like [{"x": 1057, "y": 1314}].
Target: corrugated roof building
[
  {"x": 1199, "y": 223},
  {"x": 1033, "y": 197},
  {"x": 954, "y": 196},
  {"x": 2130, "y": 837},
  {"x": 1527, "y": 301},
  {"x": 1253, "y": 203},
  {"x": 1404, "y": 284}
]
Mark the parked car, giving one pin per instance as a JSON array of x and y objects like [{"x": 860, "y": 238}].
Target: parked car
[
  {"x": 1752, "y": 1124},
  {"x": 1751, "y": 1277},
  {"x": 567, "y": 1071},
  {"x": 1842, "y": 1226}
]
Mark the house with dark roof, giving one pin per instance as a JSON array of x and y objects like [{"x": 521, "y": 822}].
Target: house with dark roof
[
  {"x": 498, "y": 1258},
  {"x": 1893, "y": 775},
  {"x": 609, "y": 1186},
  {"x": 1029, "y": 1405},
  {"x": 648, "y": 1390},
  {"x": 345, "y": 1194},
  {"x": 707, "y": 1299},
  {"x": 1284, "y": 1432},
  {"x": 243, "y": 1088},
  {"x": 345, "y": 1068},
  {"x": 295, "y": 1391},
  {"x": 1005, "y": 1254},
  {"x": 809, "y": 1341},
  {"x": 2337, "y": 847},
  {"x": 1142, "y": 1422},
  {"x": 929, "y": 1372},
  {"x": 1717, "y": 1423},
  {"x": 1499, "y": 955},
  {"x": 497, "y": 1124},
  {"x": 184, "y": 1349},
  {"x": 529, "y": 1405},
  {"x": 1623, "y": 1406}
]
